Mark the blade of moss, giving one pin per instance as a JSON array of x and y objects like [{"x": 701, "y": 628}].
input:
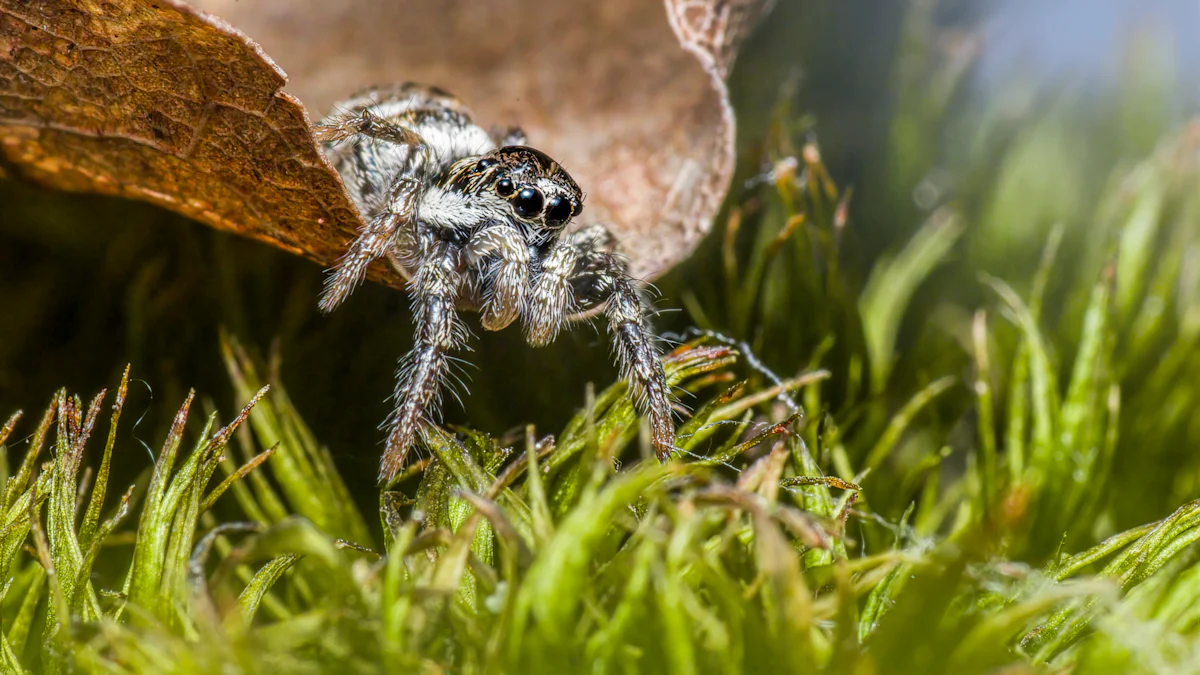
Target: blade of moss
[
  {"x": 237, "y": 475},
  {"x": 891, "y": 286},
  {"x": 84, "y": 593},
  {"x": 143, "y": 582},
  {"x": 395, "y": 599},
  {"x": 902, "y": 419},
  {"x": 20, "y": 480},
  {"x": 263, "y": 580},
  {"x": 1046, "y": 455},
  {"x": 1138, "y": 235},
  {"x": 5, "y": 432},
  {"x": 1084, "y": 409},
  {"x": 22, "y": 624},
  {"x": 91, "y": 517},
  {"x": 987, "y": 463}
]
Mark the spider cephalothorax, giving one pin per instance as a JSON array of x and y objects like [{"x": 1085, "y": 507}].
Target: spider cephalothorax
[
  {"x": 477, "y": 222},
  {"x": 514, "y": 183}
]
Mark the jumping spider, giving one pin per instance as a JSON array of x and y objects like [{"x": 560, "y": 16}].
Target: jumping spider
[{"x": 477, "y": 221}]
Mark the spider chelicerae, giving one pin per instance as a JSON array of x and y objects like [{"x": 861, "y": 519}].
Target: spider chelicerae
[{"x": 477, "y": 221}]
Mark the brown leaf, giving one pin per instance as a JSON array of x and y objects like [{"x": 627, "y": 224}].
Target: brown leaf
[{"x": 156, "y": 100}]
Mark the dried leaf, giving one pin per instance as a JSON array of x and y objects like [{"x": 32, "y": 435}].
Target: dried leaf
[
  {"x": 155, "y": 101},
  {"x": 159, "y": 101}
]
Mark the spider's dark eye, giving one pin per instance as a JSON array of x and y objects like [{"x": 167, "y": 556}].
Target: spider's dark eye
[
  {"x": 505, "y": 187},
  {"x": 558, "y": 211},
  {"x": 485, "y": 164},
  {"x": 528, "y": 203}
]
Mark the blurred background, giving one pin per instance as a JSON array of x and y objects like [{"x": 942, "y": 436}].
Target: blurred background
[{"x": 965, "y": 137}]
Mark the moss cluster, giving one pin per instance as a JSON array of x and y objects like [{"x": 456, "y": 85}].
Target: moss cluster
[{"x": 938, "y": 423}]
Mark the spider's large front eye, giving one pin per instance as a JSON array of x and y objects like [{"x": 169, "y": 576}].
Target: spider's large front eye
[
  {"x": 558, "y": 211},
  {"x": 528, "y": 203}
]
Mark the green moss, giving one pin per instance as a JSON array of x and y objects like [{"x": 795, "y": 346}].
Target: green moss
[{"x": 952, "y": 436}]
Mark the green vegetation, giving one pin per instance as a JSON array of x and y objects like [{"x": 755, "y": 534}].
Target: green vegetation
[{"x": 979, "y": 450}]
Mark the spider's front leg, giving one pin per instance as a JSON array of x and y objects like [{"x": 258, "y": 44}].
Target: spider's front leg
[
  {"x": 637, "y": 353},
  {"x": 422, "y": 371},
  {"x": 376, "y": 239},
  {"x": 502, "y": 255},
  {"x": 551, "y": 299},
  {"x": 598, "y": 277},
  {"x": 358, "y": 138}
]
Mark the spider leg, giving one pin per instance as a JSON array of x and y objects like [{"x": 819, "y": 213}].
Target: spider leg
[
  {"x": 550, "y": 298},
  {"x": 554, "y": 299},
  {"x": 599, "y": 277},
  {"x": 338, "y": 128},
  {"x": 352, "y": 136},
  {"x": 422, "y": 371},
  {"x": 375, "y": 239},
  {"x": 503, "y": 255}
]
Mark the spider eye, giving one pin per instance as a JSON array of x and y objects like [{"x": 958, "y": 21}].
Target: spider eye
[
  {"x": 528, "y": 203},
  {"x": 485, "y": 164},
  {"x": 558, "y": 211},
  {"x": 505, "y": 187}
]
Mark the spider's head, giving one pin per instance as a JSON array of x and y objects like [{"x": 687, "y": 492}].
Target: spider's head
[{"x": 524, "y": 183}]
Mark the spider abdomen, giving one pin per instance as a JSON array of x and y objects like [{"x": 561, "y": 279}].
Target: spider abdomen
[{"x": 369, "y": 166}]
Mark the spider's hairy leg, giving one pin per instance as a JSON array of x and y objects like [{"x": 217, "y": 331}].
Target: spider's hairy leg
[
  {"x": 503, "y": 254},
  {"x": 556, "y": 294},
  {"x": 600, "y": 277},
  {"x": 638, "y": 358},
  {"x": 374, "y": 240},
  {"x": 356, "y": 132},
  {"x": 551, "y": 299},
  {"x": 434, "y": 288},
  {"x": 338, "y": 128}
]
